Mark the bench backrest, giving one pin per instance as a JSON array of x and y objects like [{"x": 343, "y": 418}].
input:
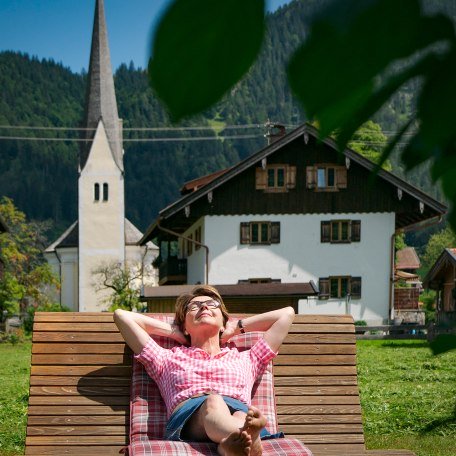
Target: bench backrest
[{"x": 81, "y": 374}]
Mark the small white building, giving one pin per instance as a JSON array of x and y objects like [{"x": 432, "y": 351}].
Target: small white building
[
  {"x": 295, "y": 212},
  {"x": 102, "y": 235}
]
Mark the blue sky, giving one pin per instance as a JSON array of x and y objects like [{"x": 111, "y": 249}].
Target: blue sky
[{"x": 61, "y": 29}]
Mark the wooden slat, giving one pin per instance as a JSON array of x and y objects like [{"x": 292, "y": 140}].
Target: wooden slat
[
  {"x": 316, "y": 390},
  {"x": 63, "y": 380},
  {"x": 77, "y": 420},
  {"x": 329, "y": 438},
  {"x": 77, "y": 440},
  {"x": 319, "y": 360},
  {"x": 61, "y": 410},
  {"x": 72, "y": 359},
  {"x": 80, "y": 348},
  {"x": 95, "y": 390},
  {"x": 316, "y": 400},
  {"x": 75, "y": 327},
  {"x": 312, "y": 319},
  {"x": 80, "y": 400},
  {"x": 322, "y": 328},
  {"x": 322, "y": 419},
  {"x": 86, "y": 317},
  {"x": 338, "y": 449},
  {"x": 314, "y": 370},
  {"x": 75, "y": 430},
  {"x": 307, "y": 381},
  {"x": 303, "y": 338},
  {"x": 339, "y": 409},
  {"x": 99, "y": 450},
  {"x": 318, "y": 349},
  {"x": 304, "y": 429},
  {"x": 108, "y": 337},
  {"x": 101, "y": 371}
]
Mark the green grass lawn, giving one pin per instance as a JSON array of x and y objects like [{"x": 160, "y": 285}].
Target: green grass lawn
[{"x": 408, "y": 397}]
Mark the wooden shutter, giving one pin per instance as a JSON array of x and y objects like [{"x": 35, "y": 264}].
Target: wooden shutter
[
  {"x": 245, "y": 233},
  {"x": 311, "y": 176},
  {"x": 323, "y": 286},
  {"x": 261, "y": 178},
  {"x": 341, "y": 177},
  {"x": 291, "y": 176},
  {"x": 325, "y": 231},
  {"x": 355, "y": 230},
  {"x": 275, "y": 232},
  {"x": 355, "y": 287}
]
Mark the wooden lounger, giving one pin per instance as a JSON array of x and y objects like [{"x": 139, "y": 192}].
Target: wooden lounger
[{"x": 80, "y": 386}]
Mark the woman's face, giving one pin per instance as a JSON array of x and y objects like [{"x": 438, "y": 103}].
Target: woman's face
[{"x": 203, "y": 311}]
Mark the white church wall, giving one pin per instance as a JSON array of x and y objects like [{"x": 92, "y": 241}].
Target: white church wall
[{"x": 300, "y": 257}]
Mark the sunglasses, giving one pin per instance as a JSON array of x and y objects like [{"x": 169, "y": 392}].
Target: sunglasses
[{"x": 196, "y": 305}]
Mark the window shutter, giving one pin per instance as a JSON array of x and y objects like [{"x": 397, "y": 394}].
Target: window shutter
[
  {"x": 323, "y": 286},
  {"x": 311, "y": 176},
  {"x": 355, "y": 287},
  {"x": 291, "y": 176},
  {"x": 275, "y": 232},
  {"x": 341, "y": 177},
  {"x": 325, "y": 231},
  {"x": 356, "y": 230},
  {"x": 245, "y": 232},
  {"x": 261, "y": 178}
]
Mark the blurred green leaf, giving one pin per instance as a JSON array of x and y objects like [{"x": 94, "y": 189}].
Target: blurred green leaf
[
  {"x": 201, "y": 49},
  {"x": 443, "y": 343}
]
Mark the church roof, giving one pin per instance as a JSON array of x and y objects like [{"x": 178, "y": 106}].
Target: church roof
[
  {"x": 101, "y": 101},
  {"x": 70, "y": 238}
]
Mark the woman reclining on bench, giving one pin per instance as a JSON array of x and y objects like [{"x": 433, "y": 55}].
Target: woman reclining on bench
[{"x": 207, "y": 389}]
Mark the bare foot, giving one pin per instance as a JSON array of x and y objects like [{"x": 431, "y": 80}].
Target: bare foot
[
  {"x": 254, "y": 422},
  {"x": 238, "y": 443}
]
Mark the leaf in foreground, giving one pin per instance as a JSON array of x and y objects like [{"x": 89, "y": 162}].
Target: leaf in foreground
[{"x": 201, "y": 49}]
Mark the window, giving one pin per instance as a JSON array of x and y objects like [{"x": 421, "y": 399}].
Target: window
[
  {"x": 190, "y": 245},
  {"x": 260, "y": 232},
  {"x": 276, "y": 178},
  {"x": 198, "y": 238},
  {"x": 105, "y": 192},
  {"x": 96, "y": 192},
  {"x": 326, "y": 177},
  {"x": 341, "y": 231},
  {"x": 259, "y": 280},
  {"x": 339, "y": 287}
]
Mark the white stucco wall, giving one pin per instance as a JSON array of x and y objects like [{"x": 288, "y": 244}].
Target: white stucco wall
[
  {"x": 301, "y": 257},
  {"x": 101, "y": 223}
]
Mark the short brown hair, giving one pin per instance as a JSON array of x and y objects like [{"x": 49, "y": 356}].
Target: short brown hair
[{"x": 184, "y": 299}]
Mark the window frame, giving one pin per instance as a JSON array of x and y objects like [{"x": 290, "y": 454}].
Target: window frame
[
  {"x": 353, "y": 283},
  {"x": 272, "y": 228}
]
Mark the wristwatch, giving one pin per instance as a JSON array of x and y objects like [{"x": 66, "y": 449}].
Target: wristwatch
[{"x": 241, "y": 326}]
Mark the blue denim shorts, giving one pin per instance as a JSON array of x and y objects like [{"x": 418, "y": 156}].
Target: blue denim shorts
[{"x": 179, "y": 417}]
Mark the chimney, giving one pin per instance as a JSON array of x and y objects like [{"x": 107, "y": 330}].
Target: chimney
[{"x": 274, "y": 131}]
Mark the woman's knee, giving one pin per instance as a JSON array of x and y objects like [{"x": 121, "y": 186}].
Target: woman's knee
[{"x": 215, "y": 402}]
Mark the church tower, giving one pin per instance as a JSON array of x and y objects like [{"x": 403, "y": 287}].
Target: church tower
[{"x": 101, "y": 203}]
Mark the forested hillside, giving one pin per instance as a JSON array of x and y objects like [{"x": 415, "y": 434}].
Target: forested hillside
[{"x": 41, "y": 176}]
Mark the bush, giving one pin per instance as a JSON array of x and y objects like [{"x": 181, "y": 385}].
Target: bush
[
  {"x": 428, "y": 300},
  {"x": 51, "y": 307}
]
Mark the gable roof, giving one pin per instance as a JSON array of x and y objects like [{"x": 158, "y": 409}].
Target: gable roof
[
  {"x": 70, "y": 237},
  {"x": 407, "y": 258},
  {"x": 305, "y": 131},
  {"x": 446, "y": 258}
]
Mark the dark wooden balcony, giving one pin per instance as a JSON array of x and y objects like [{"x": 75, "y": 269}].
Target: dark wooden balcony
[{"x": 173, "y": 271}]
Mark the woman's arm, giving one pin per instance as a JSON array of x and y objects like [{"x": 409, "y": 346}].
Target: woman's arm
[
  {"x": 136, "y": 329},
  {"x": 276, "y": 325}
]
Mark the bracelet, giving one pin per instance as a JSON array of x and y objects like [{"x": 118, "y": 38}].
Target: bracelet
[{"x": 241, "y": 326}]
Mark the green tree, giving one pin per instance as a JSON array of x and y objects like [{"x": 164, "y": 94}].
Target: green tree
[
  {"x": 437, "y": 243},
  {"x": 27, "y": 274}
]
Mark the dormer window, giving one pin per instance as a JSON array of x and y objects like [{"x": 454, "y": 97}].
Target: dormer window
[
  {"x": 96, "y": 192},
  {"x": 275, "y": 178},
  {"x": 105, "y": 192}
]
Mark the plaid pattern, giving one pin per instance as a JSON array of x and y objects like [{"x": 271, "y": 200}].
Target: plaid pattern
[{"x": 148, "y": 412}]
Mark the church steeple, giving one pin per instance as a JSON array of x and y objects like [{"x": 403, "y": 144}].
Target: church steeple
[{"x": 100, "y": 96}]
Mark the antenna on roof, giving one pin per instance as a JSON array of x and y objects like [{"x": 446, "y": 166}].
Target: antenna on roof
[{"x": 274, "y": 131}]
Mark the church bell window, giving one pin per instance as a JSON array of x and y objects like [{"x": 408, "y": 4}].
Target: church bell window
[
  {"x": 105, "y": 192},
  {"x": 96, "y": 192}
]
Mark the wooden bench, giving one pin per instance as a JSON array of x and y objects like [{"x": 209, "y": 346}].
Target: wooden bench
[{"x": 80, "y": 386}]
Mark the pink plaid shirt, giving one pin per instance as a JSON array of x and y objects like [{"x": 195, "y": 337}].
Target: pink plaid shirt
[{"x": 183, "y": 372}]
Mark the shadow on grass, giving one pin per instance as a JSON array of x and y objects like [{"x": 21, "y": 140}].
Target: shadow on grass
[{"x": 440, "y": 423}]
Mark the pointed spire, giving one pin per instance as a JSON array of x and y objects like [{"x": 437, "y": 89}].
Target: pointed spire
[{"x": 100, "y": 96}]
